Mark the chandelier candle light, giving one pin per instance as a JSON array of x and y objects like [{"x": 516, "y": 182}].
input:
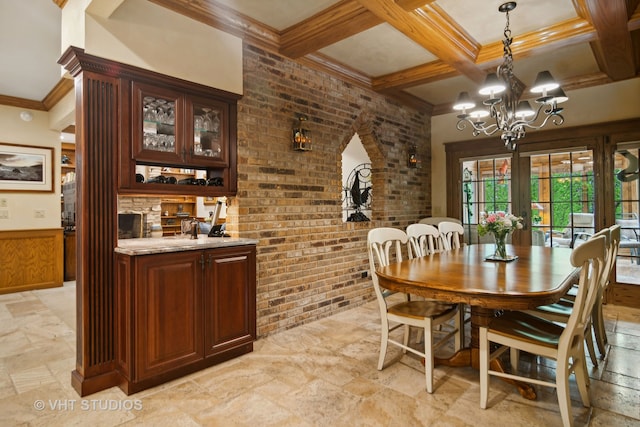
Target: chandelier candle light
[
  {"x": 503, "y": 89},
  {"x": 500, "y": 225}
]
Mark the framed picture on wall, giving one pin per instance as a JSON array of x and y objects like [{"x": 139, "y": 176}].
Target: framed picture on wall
[{"x": 26, "y": 168}]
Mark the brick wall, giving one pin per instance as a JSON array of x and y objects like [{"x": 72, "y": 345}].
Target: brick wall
[
  {"x": 148, "y": 204},
  {"x": 309, "y": 262}
]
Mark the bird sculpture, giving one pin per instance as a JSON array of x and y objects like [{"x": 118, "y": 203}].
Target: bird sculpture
[{"x": 355, "y": 191}]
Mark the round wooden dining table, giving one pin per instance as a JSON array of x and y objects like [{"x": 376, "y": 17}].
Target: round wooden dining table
[{"x": 539, "y": 276}]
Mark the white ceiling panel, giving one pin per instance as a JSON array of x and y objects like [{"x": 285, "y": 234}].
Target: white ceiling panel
[
  {"x": 483, "y": 21},
  {"x": 378, "y": 51},
  {"x": 278, "y": 14}
]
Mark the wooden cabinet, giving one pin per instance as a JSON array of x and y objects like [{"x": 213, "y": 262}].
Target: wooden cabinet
[
  {"x": 180, "y": 312},
  {"x": 230, "y": 293},
  {"x": 168, "y": 312},
  {"x": 157, "y": 125},
  {"x": 178, "y": 125},
  {"x": 208, "y": 132},
  {"x": 105, "y": 138}
]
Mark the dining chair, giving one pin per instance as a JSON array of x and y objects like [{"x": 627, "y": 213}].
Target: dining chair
[
  {"x": 451, "y": 234},
  {"x": 561, "y": 311},
  {"x": 435, "y": 220},
  {"x": 424, "y": 240},
  {"x": 538, "y": 336},
  {"x": 597, "y": 315},
  {"x": 384, "y": 246}
]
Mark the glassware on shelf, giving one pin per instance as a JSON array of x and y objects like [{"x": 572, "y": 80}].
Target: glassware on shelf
[
  {"x": 207, "y": 123},
  {"x": 171, "y": 113},
  {"x": 158, "y": 132},
  {"x": 149, "y": 109},
  {"x": 215, "y": 122},
  {"x": 198, "y": 123}
]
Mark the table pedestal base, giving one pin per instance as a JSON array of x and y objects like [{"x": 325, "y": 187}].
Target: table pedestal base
[{"x": 470, "y": 356}]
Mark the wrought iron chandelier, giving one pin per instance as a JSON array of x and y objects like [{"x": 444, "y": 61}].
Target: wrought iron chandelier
[{"x": 511, "y": 115}]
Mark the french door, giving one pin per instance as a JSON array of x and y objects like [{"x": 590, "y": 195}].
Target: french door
[
  {"x": 486, "y": 187},
  {"x": 562, "y": 203},
  {"x": 626, "y": 206},
  {"x": 557, "y": 206},
  {"x": 565, "y": 184}
]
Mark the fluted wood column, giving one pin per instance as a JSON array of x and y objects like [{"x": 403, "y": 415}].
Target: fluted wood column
[{"x": 97, "y": 112}]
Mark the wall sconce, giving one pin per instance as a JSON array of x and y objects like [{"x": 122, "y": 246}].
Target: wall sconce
[
  {"x": 413, "y": 160},
  {"x": 301, "y": 135}
]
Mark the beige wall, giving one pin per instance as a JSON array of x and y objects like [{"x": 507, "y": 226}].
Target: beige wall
[
  {"x": 615, "y": 101},
  {"x": 21, "y": 206},
  {"x": 126, "y": 31},
  {"x": 145, "y": 35}
]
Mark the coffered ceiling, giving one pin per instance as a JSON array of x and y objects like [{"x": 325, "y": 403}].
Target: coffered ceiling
[
  {"x": 426, "y": 51},
  {"x": 422, "y": 52}
]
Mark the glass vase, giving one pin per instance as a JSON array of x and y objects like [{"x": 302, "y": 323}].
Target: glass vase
[{"x": 501, "y": 245}]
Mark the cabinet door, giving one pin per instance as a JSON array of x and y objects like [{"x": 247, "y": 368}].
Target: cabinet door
[
  {"x": 168, "y": 313},
  {"x": 230, "y": 298},
  {"x": 157, "y": 125},
  {"x": 208, "y": 132}
]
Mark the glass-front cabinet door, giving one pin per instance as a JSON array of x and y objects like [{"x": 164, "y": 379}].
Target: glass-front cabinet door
[
  {"x": 157, "y": 128},
  {"x": 208, "y": 132}
]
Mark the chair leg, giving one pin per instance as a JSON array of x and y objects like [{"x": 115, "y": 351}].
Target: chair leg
[
  {"x": 428, "y": 356},
  {"x": 484, "y": 368},
  {"x": 589, "y": 340},
  {"x": 582, "y": 379},
  {"x": 405, "y": 340},
  {"x": 514, "y": 355},
  {"x": 599, "y": 330},
  {"x": 564, "y": 398},
  {"x": 384, "y": 341}
]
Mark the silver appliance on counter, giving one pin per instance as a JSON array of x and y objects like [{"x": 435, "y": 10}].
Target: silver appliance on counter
[{"x": 131, "y": 225}]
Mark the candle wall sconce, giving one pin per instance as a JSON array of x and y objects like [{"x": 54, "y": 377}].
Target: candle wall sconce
[
  {"x": 413, "y": 160},
  {"x": 301, "y": 135}
]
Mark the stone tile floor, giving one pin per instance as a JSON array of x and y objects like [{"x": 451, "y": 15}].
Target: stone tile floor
[{"x": 320, "y": 374}]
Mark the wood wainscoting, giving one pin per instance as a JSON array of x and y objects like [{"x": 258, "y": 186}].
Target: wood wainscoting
[{"x": 30, "y": 259}]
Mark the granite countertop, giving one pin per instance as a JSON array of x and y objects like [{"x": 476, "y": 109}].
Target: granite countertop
[{"x": 147, "y": 246}]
